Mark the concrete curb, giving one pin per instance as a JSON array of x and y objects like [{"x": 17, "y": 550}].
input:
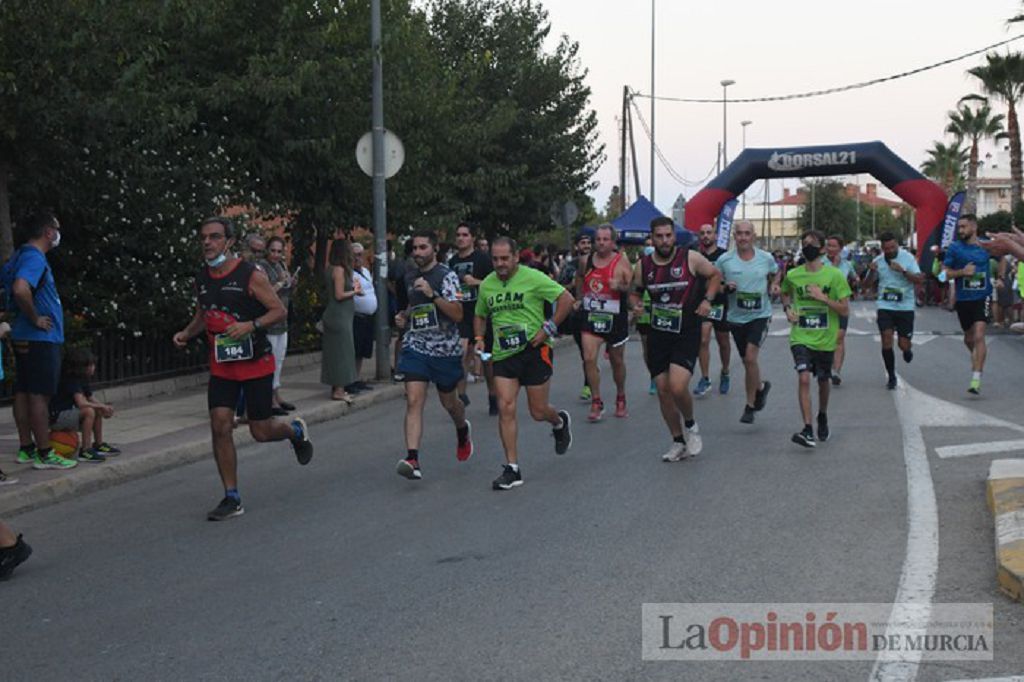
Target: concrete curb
[
  {"x": 1005, "y": 493},
  {"x": 130, "y": 467}
]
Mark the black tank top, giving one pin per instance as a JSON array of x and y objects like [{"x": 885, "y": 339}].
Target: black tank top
[
  {"x": 225, "y": 300},
  {"x": 673, "y": 284}
]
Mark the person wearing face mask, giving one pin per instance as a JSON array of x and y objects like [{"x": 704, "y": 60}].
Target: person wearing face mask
[
  {"x": 235, "y": 307},
  {"x": 813, "y": 297},
  {"x": 37, "y": 335}
]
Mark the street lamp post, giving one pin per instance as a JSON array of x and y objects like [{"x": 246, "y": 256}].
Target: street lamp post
[
  {"x": 744, "y": 125},
  {"x": 652, "y": 101},
  {"x": 725, "y": 136}
]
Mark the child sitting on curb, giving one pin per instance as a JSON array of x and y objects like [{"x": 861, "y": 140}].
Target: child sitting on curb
[{"x": 73, "y": 407}]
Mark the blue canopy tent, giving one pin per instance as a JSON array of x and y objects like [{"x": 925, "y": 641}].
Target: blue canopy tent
[{"x": 634, "y": 226}]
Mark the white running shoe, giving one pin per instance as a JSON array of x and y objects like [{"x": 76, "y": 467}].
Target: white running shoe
[
  {"x": 676, "y": 453},
  {"x": 694, "y": 443}
]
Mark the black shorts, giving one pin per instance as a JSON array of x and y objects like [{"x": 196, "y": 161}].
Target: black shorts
[
  {"x": 36, "y": 367},
  {"x": 259, "y": 395},
  {"x": 817, "y": 362},
  {"x": 619, "y": 333},
  {"x": 531, "y": 366},
  {"x": 668, "y": 348},
  {"x": 362, "y": 335},
  {"x": 970, "y": 312},
  {"x": 844, "y": 322},
  {"x": 900, "y": 320},
  {"x": 751, "y": 333}
]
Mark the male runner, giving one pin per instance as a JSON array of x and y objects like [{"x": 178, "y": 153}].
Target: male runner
[
  {"x": 834, "y": 257},
  {"x": 819, "y": 295},
  {"x": 682, "y": 283},
  {"x": 967, "y": 264},
  {"x": 513, "y": 297},
  {"x": 431, "y": 350},
  {"x": 898, "y": 273},
  {"x": 747, "y": 272},
  {"x": 708, "y": 242},
  {"x": 571, "y": 324},
  {"x": 603, "y": 281},
  {"x": 235, "y": 305},
  {"x": 470, "y": 266}
]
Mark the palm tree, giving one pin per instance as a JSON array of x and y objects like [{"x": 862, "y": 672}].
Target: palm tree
[
  {"x": 1003, "y": 77},
  {"x": 945, "y": 165},
  {"x": 973, "y": 125}
]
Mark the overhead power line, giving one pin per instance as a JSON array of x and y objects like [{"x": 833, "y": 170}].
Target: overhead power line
[
  {"x": 832, "y": 91},
  {"x": 664, "y": 161}
]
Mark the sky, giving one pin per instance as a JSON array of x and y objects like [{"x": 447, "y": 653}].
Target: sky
[{"x": 774, "y": 48}]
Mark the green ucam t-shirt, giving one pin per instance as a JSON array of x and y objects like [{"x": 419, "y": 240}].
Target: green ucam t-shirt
[
  {"x": 516, "y": 307},
  {"x": 818, "y": 325}
]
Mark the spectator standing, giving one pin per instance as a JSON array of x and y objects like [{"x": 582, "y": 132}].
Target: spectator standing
[
  {"x": 338, "y": 368},
  {"x": 365, "y": 308},
  {"x": 37, "y": 334},
  {"x": 282, "y": 282}
]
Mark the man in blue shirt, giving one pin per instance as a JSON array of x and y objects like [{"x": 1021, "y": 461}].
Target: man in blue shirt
[
  {"x": 898, "y": 273},
  {"x": 37, "y": 335},
  {"x": 967, "y": 263}
]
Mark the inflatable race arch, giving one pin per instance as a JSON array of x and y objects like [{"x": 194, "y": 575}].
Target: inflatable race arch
[{"x": 927, "y": 198}]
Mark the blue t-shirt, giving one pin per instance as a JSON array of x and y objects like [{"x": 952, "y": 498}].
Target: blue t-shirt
[
  {"x": 750, "y": 301},
  {"x": 895, "y": 291},
  {"x": 33, "y": 268},
  {"x": 978, "y": 286}
]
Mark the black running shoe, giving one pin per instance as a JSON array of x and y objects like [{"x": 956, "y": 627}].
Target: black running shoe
[
  {"x": 465, "y": 399},
  {"x": 805, "y": 438},
  {"x": 761, "y": 396},
  {"x": 823, "y": 432},
  {"x": 891, "y": 385},
  {"x": 563, "y": 435},
  {"x": 748, "y": 415},
  {"x": 908, "y": 355},
  {"x": 227, "y": 508},
  {"x": 11, "y": 557},
  {"x": 303, "y": 446},
  {"x": 509, "y": 479},
  {"x": 492, "y": 406}
]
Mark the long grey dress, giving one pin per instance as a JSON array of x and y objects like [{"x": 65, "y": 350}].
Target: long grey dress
[{"x": 338, "y": 363}]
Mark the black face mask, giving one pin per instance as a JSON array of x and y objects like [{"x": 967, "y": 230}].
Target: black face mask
[{"x": 811, "y": 252}]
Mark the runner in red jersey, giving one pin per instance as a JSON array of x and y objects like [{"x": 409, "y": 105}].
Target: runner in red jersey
[
  {"x": 235, "y": 304},
  {"x": 603, "y": 283},
  {"x": 681, "y": 283}
]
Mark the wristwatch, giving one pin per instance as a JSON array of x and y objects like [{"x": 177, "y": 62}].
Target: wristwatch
[{"x": 256, "y": 326}]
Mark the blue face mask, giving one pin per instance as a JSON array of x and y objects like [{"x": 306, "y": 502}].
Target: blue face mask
[
  {"x": 648, "y": 250},
  {"x": 217, "y": 261}
]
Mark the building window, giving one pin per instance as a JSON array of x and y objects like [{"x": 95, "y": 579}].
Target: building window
[{"x": 1002, "y": 192}]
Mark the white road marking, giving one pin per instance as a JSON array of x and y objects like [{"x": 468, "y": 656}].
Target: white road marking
[
  {"x": 912, "y": 605},
  {"x": 970, "y": 449},
  {"x": 1014, "y": 678}
]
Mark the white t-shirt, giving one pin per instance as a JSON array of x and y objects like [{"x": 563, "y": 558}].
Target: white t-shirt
[{"x": 367, "y": 303}]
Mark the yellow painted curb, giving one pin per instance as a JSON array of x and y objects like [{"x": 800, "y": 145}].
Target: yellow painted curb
[{"x": 1005, "y": 495}]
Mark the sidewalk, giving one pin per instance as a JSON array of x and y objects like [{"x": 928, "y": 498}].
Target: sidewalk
[{"x": 163, "y": 432}]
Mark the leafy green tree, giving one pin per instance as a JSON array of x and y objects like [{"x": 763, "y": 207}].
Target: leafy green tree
[
  {"x": 973, "y": 125},
  {"x": 828, "y": 209},
  {"x": 1003, "y": 77},
  {"x": 1000, "y": 221}
]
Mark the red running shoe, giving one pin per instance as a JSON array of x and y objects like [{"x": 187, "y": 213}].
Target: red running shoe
[
  {"x": 465, "y": 449},
  {"x": 596, "y": 410},
  {"x": 620, "y": 407}
]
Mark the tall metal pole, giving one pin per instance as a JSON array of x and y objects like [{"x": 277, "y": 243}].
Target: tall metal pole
[
  {"x": 744, "y": 125},
  {"x": 622, "y": 153},
  {"x": 652, "y": 102},
  {"x": 383, "y": 331},
  {"x": 725, "y": 136}
]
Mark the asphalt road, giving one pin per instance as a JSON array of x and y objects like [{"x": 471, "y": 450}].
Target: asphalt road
[{"x": 344, "y": 570}]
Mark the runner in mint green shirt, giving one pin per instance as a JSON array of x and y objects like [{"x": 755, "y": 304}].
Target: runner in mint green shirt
[
  {"x": 746, "y": 272},
  {"x": 898, "y": 273},
  {"x": 513, "y": 296},
  {"x": 814, "y": 296}
]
